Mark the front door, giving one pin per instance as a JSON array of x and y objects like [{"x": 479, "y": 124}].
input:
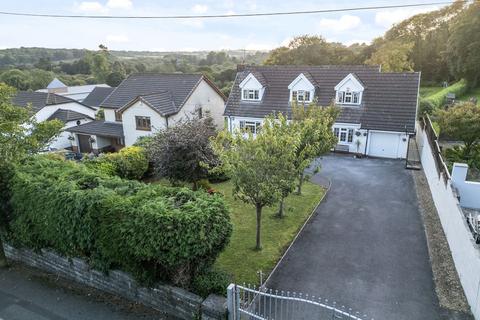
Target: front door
[{"x": 84, "y": 143}]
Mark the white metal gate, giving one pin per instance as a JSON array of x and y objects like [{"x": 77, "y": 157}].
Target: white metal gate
[{"x": 245, "y": 302}]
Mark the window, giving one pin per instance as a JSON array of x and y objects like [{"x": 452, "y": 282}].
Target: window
[
  {"x": 143, "y": 123},
  {"x": 251, "y": 126},
  {"x": 118, "y": 116},
  {"x": 344, "y": 135},
  {"x": 200, "y": 113},
  {"x": 301, "y": 95},
  {"x": 251, "y": 94},
  {"x": 348, "y": 97}
]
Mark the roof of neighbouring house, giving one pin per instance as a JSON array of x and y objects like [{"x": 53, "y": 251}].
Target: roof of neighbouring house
[
  {"x": 39, "y": 100},
  {"x": 55, "y": 83},
  {"x": 68, "y": 115},
  {"x": 389, "y": 100},
  {"x": 96, "y": 97},
  {"x": 157, "y": 88},
  {"x": 99, "y": 128}
]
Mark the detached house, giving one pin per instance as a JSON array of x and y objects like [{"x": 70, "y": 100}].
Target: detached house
[
  {"x": 78, "y": 93},
  {"x": 378, "y": 109},
  {"x": 146, "y": 103},
  {"x": 50, "y": 106}
]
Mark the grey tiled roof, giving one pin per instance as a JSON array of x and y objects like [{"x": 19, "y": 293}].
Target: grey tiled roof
[
  {"x": 100, "y": 128},
  {"x": 68, "y": 115},
  {"x": 389, "y": 100},
  {"x": 38, "y": 100},
  {"x": 179, "y": 85},
  {"x": 96, "y": 97},
  {"x": 162, "y": 102}
]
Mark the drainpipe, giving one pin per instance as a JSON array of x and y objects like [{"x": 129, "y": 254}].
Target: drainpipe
[
  {"x": 166, "y": 121},
  {"x": 366, "y": 142}
]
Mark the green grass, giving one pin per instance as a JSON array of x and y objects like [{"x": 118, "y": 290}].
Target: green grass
[
  {"x": 471, "y": 93},
  {"x": 239, "y": 258},
  {"x": 428, "y": 91}
]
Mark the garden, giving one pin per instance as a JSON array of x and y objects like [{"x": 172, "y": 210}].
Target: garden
[{"x": 188, "y": 206}]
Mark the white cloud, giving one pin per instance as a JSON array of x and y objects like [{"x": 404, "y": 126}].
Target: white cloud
[
  {"x": 200, "y": 8},
  {"x": 118, "y": 38},
  {"x": 195, "y": 23},
  {"x": 119, "y": 4},
  {"x": 388, "y": 18},
  {"x": 346, "y": 22},
  {"x": 91, "y": 6}
]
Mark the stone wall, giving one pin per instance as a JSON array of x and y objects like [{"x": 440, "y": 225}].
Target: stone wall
[{"x": 174, "y": 301}]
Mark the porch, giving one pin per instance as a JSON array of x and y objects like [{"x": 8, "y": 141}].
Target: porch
[{"x": 97, "y": 136}]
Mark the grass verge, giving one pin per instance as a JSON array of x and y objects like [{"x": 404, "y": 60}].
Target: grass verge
[{"x": 239, "y": 258}]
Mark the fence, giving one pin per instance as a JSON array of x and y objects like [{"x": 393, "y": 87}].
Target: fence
[
  {"x": 245, "y": 302},
  {"x": 465, "y": 253}
]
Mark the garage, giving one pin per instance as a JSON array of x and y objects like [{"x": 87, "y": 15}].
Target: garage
[{"x": 387, "y": 144}]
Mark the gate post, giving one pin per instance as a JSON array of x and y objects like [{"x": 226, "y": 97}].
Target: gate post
[{"x": 231, "y": 301}]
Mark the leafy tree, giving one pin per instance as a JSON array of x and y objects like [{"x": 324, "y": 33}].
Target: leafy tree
[
  {"x": 393, "y": 56},
  {"x": 257, "y": 165},
  {"x": 314, "y": 123},
  {"x": 16, "y": 78},
  {"x": 183, "y": 152},
  {"x": 464, "y": 45},
  {"x": 44, "y": 63},
  {"x": 462, "y": 122},
  {"x": 40, "y": 78},
  {"x": 20, "y": 136},
  {"x": 114, "y": 79}
]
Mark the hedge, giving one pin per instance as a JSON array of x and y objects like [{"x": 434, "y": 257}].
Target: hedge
[
  {"x": 438, "y": 99},
  {"x": 154, "y": 232}
]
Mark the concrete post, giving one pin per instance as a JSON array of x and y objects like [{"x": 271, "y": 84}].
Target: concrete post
[{"x": 231, "y": 301}]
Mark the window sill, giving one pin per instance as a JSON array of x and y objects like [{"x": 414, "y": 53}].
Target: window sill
[{"x": 140, "y": 129}]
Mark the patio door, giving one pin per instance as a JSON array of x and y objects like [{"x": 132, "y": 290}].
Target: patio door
[{"x": 84, "y": 143}]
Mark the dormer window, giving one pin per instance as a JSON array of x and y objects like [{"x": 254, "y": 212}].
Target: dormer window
[
  {"x": 301, "y": 96},
  {"x": 252, "y": 88},
  {"x": 302, "y": 89},
  {"x": 251, "y": 94},
  {"x": 349, "y": 91}
]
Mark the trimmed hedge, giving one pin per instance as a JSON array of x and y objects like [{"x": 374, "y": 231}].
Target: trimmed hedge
[
  {"x": 152, "y": 231},
  {"x": 438, "y": 99}
]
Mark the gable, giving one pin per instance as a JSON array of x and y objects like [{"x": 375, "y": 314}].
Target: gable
[
  {"x": 350, "y": 83},
  {"x": 250, "y": 82},
  {"x": 301, "y": 83}
]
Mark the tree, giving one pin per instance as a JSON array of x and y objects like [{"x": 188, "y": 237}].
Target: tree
[
  {"x": 256, "y": 165},
  {"x": 20, "y": 136},
  {"x": 462, "y": 122},
  {"x": 393, "y": 56},
  {"x": 464, "y": 46},
  {"x": 16, "y": 78},
  {"x": 183, "y": 152},
  {"x": 40, "y": 78},
  {"x": 314, "y": 124}
]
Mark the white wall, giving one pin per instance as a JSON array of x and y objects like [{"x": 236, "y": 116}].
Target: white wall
[
  {"x": 44, "y": 113},
  {"x": 109, "y": 114},
  {"x": 206, "y": 97},
  {"x": 62, "y": 141},
  {"x": 469, "y": 191},
  {"x": 465, "y": 252},
  {"x": 101, "y": 142},
  {"x": 129, "y": 125}
]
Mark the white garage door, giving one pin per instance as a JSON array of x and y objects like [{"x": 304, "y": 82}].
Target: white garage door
[{"x": 383, "y": 144}]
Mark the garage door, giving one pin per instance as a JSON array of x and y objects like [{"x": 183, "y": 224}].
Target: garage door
[{"x": 383, "y": 144}]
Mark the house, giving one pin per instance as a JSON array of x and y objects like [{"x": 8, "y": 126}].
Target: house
[
  {"x": 49, "y": 106},
  {"x": 378, "y": 109},
  {"x": 146, "y": 103},
  {"x": 96, "y": 97},
  {"x": 77, "y": 93}
]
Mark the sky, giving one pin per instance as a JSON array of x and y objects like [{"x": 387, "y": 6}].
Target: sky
[{"x": 251, "y": 33}]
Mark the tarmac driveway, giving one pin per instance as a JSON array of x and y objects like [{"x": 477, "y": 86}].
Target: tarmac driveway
[{"x": 365, "y": 248}]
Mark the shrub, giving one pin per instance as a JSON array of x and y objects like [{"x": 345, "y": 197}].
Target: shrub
[
  {"x": 211, "y": 281},
  {"x": 425, "y": 106},
  {"x": 129, "y": 163},
  {"x": 154, "y": 232},
  {"x": 438, "y": 99}
]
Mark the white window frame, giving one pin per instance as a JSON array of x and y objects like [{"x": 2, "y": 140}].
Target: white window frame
[
  {"x": 250, "y": 126},
  {"x": 251, "y": 94},
  {"x": 348, "y": 132},
  {"x": 354, "y": 97},
  {"x": 300, "y": 95}
]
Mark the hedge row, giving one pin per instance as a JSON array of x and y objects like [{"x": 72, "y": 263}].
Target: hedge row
[
  {"x": 438, "y": 99},
  {"x": 152, "y": 231}
]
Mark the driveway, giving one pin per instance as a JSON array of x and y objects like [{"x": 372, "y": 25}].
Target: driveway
[{"x": 365, "y": 248}]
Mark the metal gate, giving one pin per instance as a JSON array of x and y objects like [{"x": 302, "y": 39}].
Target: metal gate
[{"x": 245, "y": 302}]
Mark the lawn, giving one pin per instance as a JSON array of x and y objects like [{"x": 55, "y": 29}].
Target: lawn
[
  {"x": 239, "y": 258},
  {"x": 428, "y": 91}
]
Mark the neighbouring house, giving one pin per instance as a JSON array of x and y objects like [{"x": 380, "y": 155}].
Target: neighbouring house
[
  {"x": 49, "y": 106},
  {"x": 146, "y": 103},
  {"x": 78, "y": 93},
  {"x": 378, "y": 109},
  {"x": 97, "y": 96}
]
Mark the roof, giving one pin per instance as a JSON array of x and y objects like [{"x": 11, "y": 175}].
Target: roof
[
  {"x": 68, "y": 115},
  {"x": 153, "y": 87},
  {"x": 389, "y": 100},
  {"x": 96, "y": 97},
  {"x": 55, "y": 83},
  {"x": 162, "y": 102},
  {"x": 39, "y": 100},
  {"x": 73, "y": 90},
  {"x": 99, "y": 128}
]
